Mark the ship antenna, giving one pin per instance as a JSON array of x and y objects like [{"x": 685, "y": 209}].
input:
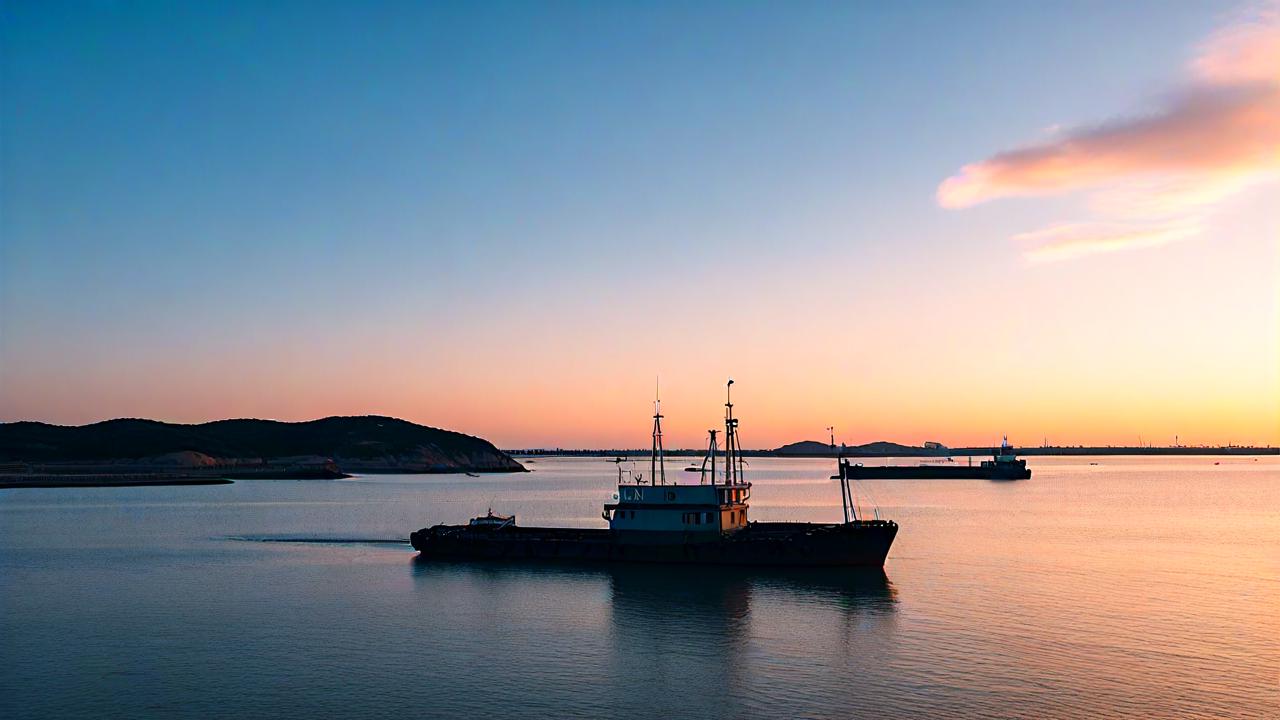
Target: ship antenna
[{"x": 657, "y": 465}]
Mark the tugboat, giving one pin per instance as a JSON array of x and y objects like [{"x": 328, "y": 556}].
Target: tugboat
[
  {"x": 657, "y": 521},
  {"x": 1003, "y": 465}
]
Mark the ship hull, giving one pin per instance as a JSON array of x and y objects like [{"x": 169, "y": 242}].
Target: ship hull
[
  {"x": 934, "y": 472},
  {"x": 856, "y": 544}
]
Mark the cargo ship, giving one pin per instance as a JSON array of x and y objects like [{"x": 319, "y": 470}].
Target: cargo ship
[
  {"x": 1003, "y": 465},
  {"x": 653, "y": 520}
]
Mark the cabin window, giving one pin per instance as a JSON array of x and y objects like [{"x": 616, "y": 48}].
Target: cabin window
[
  {"x": 633, "y": 515},
  {"x": 708, "y": 518}
]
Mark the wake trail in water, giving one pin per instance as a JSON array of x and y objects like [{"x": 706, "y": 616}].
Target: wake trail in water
[{"x": 318, "y": 540}]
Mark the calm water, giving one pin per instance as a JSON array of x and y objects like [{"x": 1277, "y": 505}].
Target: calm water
[{"x": 1139, "y": 587}]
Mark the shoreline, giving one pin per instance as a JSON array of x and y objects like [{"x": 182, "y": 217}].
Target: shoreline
[{"x": 90, "y": 481}]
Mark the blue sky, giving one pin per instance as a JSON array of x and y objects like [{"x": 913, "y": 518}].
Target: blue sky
[{"x": 185, "y": 184}]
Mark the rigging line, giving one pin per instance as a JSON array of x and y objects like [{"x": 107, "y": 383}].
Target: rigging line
[{"x": 875, "y": 503}]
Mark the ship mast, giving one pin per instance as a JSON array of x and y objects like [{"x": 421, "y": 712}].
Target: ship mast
[
  {"x": 840, "y": 465},
  {"x": 732, "y": 452},
  {"x": 657, "y": 464},
  {"x": 846, "y": 499},
  {"x": 712, "y": 449}
]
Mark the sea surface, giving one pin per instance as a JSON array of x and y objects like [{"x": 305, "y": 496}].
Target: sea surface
[{"x": 1102, "y": 587}]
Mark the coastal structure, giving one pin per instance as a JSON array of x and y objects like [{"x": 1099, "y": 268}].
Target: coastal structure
[{"x": 655, "y": 520}]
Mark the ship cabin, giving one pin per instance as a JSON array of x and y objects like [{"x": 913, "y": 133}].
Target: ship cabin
[
  {"x": 691, "y": 511},
  {"x": 662, "y": 512},
  {"x": 1005, "y": 463},
  {"x": 1004, "y": 457},
  {"x": 492, "y": 520}
]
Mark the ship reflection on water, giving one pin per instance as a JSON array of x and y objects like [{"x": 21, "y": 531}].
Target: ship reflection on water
[
  {"x": 730, "y": 591},
  {"x": 660, "y": 640},
  {"x": 663, "y": 589}
]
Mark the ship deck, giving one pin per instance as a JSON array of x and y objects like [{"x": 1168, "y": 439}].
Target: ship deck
[{"x": 859, "y": 543}]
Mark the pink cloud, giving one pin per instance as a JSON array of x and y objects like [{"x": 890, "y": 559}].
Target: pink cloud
[
  {"x": 1245, "y": 51},
  {"x": 1218, "y": 134},
  {"x": 1213, "y": 131}
]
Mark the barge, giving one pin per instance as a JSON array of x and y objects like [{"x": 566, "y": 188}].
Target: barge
[
  {"x": 655, "y": 521},
  {"x": 1003, "y": 465}
]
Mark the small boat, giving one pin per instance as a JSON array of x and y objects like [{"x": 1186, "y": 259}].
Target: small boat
[{"x": 471, "y": 474}]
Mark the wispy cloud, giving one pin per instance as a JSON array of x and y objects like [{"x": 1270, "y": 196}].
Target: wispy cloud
[
  {"x": 1154, "y": 177},
  {"x": 1063, "y": 242}
]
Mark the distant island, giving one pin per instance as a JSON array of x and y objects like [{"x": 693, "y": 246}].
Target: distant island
[
  {"x": 880, "y": 448},
  {"x": 884, "y": 449},
  {"x": 147, "y": 452}
]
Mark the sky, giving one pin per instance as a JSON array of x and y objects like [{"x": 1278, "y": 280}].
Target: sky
[{"x": 912, "y": 221}]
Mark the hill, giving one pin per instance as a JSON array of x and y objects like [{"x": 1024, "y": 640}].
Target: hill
[
  {"x": 811, "y": 448},
  {"x": 880, "y": 448},
  {"x": 355, "y": 444}
]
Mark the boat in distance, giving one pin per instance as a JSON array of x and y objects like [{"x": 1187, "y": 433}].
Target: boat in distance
[
  {"x": 656, "y": 521},
  {"x": 1003, "y": 465}
]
